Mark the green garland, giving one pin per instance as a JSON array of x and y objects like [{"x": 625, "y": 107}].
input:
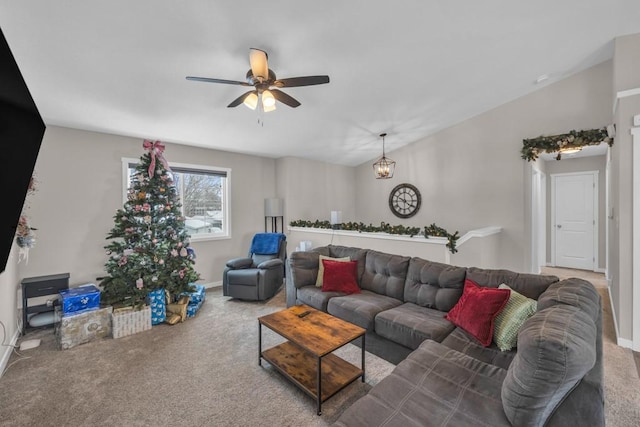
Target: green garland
[
  {"x": 551, "y": 144},
  {"x": 431, "y": 230}
]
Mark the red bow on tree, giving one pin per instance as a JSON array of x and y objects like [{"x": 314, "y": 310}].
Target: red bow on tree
[{"x": 155, "y": 149}]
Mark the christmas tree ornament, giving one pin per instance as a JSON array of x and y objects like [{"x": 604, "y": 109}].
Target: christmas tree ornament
[{"x": 139, "y": 283}]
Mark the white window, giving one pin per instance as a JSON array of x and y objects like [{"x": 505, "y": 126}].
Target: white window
[{"x": 204, "y": 195}]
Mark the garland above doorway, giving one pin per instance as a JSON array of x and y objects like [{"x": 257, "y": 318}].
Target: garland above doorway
[{"x": 559, "y": 143}]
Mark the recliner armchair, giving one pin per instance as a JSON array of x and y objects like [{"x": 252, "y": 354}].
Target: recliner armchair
[{"x": 260, "y": 275}]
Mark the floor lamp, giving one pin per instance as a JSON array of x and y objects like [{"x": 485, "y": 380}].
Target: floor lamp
[{"x": 274, "y": 210}]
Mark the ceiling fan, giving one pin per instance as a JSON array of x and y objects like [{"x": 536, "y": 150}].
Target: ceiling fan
[{"x": 266, "y": 86}]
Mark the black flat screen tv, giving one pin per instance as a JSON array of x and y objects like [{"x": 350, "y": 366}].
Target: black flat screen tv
[{"x": 21, "y": 132}]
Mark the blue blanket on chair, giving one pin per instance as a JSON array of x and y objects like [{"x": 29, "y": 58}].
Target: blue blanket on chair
[{"x": 266, "y": 243}]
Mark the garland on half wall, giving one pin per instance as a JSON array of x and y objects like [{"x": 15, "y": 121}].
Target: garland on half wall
[
  {"x": 556, "y": 143},
  {"x": 430, "y": 230}
]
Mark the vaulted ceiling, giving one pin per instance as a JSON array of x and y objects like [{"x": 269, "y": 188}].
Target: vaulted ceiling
[{"x": 409, "y": 68}]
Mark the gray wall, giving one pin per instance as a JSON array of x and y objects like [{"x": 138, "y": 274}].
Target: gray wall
[
  {"x": 594, "y": 163},
  {"x": 312, "y": 190},
  {"x": 471, "y": 175}
]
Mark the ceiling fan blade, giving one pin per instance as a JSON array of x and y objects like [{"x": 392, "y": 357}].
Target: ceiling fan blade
[
  {"x": 208, "y": 80},
  {"x": 302, "y": 81},
  {"x": 284, "y": 98},
  {"x": 239, "y": 100},
  {"x": 259, "y": 65}
]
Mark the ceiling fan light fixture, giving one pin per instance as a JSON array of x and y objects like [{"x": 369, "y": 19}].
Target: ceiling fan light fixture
[
  {"x": 268, "y": 100},
  {"x": 259, "y": 65},
  {"x": 384, "y": 167},
  {"x": 251, "y": 101}
]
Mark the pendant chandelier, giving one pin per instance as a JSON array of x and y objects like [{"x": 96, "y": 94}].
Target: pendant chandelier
[{"x": 384, "y": 167}]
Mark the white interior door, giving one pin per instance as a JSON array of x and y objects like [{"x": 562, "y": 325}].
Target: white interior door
[{"x": 574, "y": 221}]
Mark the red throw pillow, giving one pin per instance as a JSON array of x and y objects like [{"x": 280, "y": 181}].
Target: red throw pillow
[
  {"x": 476, "y": 310},
  {"x": 340, "y": 276}
]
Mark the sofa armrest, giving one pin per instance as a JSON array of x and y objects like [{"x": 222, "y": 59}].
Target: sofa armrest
[
  {"x": 304, "y": 268},
  {"x": 270, "y": 264},
  {"x": 238, "y": 263}
]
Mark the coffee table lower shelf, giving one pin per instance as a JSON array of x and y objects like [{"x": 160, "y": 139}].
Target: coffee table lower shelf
[{"x": 303, "y": 370}]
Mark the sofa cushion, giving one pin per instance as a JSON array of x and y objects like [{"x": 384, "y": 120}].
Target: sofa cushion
[
  {"x": 464, "y": 343},
  {"x": 356, "y": 254},
  {"x": 476, "y": 310},
  {"x": 556, "y": 349},
  {"x": 410, "y": 324},
  {"x": 321, "y": 258},
  {"x": 385, "y": 274},
  {"x": 314, "y": 297},
  {"x": 433, "y": 284},
  {"x": 340, "y": 276},
  {"x": 509, "y": 321},
  {"x": 576, "y": 292},
  {"x": 529, "y": 285},
  {"x": 433, "y": 386},
  {"x": 361, "y": 309}
]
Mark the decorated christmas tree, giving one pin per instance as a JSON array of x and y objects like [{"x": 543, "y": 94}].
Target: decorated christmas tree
[{"x": 150, "y": 248}]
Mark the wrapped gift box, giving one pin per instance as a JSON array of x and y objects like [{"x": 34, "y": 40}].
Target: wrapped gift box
[
  {"x": 81, "y": 327},
  {"x": 196, "y": 299},
  {"x": 157, "y": 302},
  {"x": 127, "y": 321},
  {"x": 192, "y": 309},
  {"x": 82, "y": 298},
  {"x": 196, "y": 296}
]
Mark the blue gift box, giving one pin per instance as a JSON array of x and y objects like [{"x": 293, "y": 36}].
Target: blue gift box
[
  {"x": 156, "y": 300},
  {"x": 196, "y": 298},
  {"x": 80, "y": 299},
  {"x": 197, "y": 295}
]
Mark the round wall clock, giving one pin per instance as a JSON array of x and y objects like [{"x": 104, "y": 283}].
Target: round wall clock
[{"x": 405, "y": 200}]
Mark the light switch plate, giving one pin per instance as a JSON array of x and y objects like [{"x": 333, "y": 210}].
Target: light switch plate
[{"x": 636, "y": 120}]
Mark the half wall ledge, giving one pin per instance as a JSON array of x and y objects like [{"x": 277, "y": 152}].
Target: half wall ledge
[{"x": 477, "y": 248}]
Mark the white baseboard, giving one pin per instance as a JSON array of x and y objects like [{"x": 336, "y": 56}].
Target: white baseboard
[
  {"x": 210, "y": 285},
  {"x": 622, "y": 342},
  {"x": 6, "y": 352}
]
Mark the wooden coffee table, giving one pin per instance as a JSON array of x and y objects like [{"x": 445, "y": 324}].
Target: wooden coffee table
[{"x": 306, "y": 358}]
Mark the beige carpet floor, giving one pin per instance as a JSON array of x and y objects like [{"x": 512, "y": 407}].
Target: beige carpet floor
[{"x": 205, "y": 372}]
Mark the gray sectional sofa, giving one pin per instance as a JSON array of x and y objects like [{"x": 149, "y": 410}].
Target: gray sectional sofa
[{"x": 444, "y": 376}]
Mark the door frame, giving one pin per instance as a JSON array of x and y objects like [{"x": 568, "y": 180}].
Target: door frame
[
  {"x": 538, "y": 219},
  {"x": 596, "y": 218}
]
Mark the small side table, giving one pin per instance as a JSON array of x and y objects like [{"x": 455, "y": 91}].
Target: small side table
[{"x": 38, "y": 287}]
